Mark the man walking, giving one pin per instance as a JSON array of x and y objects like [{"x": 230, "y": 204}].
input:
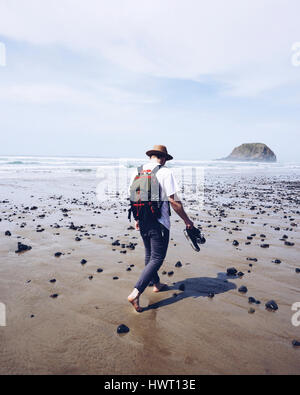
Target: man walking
[{"x": 155, "y": 230}]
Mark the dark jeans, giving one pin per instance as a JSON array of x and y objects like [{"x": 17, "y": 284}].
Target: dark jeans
[{"x": 156, "y": 241}]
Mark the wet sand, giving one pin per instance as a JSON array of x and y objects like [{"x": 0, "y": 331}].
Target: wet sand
[{"x": 180, "y": 332}]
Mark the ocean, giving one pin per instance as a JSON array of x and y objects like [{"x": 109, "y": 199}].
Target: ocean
[{"x": 14, "y": 166}]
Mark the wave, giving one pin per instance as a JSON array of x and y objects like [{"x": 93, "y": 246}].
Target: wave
[{"x": 84, "y": 170}]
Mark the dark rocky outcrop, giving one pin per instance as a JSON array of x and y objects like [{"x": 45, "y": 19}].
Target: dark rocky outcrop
[{"x": 252, "y": 152}]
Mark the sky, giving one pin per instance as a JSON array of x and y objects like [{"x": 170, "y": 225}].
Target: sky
[{"x": 113, "y": 78}]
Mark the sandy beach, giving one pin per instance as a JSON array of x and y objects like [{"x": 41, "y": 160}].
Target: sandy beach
[{"x": 69, "y": 326}]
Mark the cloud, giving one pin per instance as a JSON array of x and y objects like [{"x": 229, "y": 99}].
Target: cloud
[
  {"x": 171, "y": 38},
  {"x": 38, "y": 93}
]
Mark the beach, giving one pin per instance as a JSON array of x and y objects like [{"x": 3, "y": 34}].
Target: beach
[{"x": 62, "y": 313}]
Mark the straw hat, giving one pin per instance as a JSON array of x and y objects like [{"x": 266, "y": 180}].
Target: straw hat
[{"x": 159, "y": 150}]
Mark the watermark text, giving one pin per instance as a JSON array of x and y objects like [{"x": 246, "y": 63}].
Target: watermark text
[
  {"x": 2, "y": 55},
  {"x": 295, "y": 59}
]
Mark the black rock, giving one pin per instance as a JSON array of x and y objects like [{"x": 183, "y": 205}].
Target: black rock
[
  {"x": 297, "y": 270},
  {"x": 22, "y": 248},
  {"x": 58, "y": 254},
  {"x": 54, "y": 296},
  {"x": 122, "y": 329},
  {"x": 235, "y": 243},
  {"x": 178, "y": 264},
  {"x": 83, "y": 261},
  {"x": 271, "y": 305},
  {"x": 296, "y": 343},
  {"x": 7, "y": 233},
  {"x": 243, "y": 289},
  {"x": 77, "y": 239},
  {"x": 288, "y": 243},
  {"x": 170, "y": 273},
  {"x": 240, "y": 274},
  {"x": 231, "y": 271},
  {"x": 116, "y": 278},
  {"x": 99, "y": 270},
  {"x": 252, "y": 259},
  {"x": 251, "y": 300},
  {"x": 91, "y": 277},
  {"x": 251, "y": 310},
  {"x": 277, "y": 261},
  {"x": 52, "y": 281},
  {"x": 265, "y": 245}
]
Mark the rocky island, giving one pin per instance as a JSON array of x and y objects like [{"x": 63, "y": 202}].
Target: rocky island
[{"x": 255, "y": 152}]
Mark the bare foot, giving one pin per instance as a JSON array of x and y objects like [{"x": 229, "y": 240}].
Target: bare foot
[
  {"x": 135, "y": 303},
  {"x": 159, "y": 287}
]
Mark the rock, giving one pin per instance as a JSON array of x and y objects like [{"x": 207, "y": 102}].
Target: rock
[
  {"x": 251, "y": 310},
  {"x": 91, "y": 277},
  {"x": 52, "y": 281},
  {"x": 231, "y": 271},
  {"x": 288, "y": 243},
  {"x": 251, "y": 300},
  {"x": 170, "y": 273},
  {"x": 256, "y": 152},
  {"x": 58, "y": 254},
  {"x": 243, "y": 289},
  {"x": 277, "y": 261},
  {"x": 240, "y": 274},
  {"x": 297, "y": 270},
  {"x": 235, "y": 243},
  {"x": 265, "y": 245},
  {"x": 122, "y": 329},
  {"x": 116, "y": 278},
  {"x": 296, "y": 343},
  {"x": 83, "y": 261},
  {"x": 22, "y": 248},
  {"x": 99, "y": 270},
  {"x": 271, "y": 305},
  {"x": 178, "y": 264},
  {"x": 54, "y": 296},
  {"x": 7, "y": 233}
]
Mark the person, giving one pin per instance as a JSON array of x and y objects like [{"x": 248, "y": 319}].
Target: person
[{"x": 156, "y": 232}]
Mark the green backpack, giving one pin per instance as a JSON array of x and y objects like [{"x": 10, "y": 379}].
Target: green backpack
[{"x": 145, "y": 196}]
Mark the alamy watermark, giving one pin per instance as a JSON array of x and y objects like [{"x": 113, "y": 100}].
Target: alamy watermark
[
  {"x": 296, "y": 316},
  {"x": 2, "y": 55},
  {"x": 295, "y": 59},
  {"x": 2, "y": 314},
  {"x": 114, "y": 183}
]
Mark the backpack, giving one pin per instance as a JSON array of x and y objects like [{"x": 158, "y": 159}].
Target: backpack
[{"x": 145, "y": 196}]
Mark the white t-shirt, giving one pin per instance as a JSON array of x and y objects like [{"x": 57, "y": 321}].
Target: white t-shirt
[{"x": 168, "y": 186}]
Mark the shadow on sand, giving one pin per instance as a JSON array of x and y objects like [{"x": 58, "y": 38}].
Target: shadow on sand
[{"x": 196, "y": 287}]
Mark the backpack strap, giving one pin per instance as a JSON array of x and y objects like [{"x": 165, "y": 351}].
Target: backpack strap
[{"x": 155, "y": 170}]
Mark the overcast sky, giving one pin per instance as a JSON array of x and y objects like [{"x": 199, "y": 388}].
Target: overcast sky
[{"x": 112, "y": 78}]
